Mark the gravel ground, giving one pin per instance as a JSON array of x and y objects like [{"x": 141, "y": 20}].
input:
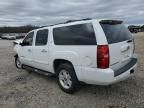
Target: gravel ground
[{"x": 21, "y": 89}]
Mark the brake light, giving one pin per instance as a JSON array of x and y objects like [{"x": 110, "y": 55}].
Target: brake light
[{"x": 103, "y": 56}]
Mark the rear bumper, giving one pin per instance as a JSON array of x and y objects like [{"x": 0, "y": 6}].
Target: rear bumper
[
  {"x": 126, "y": 67},
  {"x": 107, "y": 76}
]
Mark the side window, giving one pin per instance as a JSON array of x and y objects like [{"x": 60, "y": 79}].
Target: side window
[
  {"x": 29, "y": 39},
  {"x": 81, "y": 34},
  {"x": 41, "y": 37}
]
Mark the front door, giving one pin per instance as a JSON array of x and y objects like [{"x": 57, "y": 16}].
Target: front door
[{"x": 27, "y": 50}]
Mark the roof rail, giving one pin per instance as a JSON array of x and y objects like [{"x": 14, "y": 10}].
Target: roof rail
[
  {"x": 69, "y": 21},
  {"x": 77, "y": 20}
]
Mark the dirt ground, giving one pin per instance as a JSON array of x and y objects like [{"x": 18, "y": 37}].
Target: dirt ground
[{"x": 21, "y": 89}]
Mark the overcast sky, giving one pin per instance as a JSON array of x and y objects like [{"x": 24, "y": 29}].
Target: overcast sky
[{"x": 45, "y": 12}]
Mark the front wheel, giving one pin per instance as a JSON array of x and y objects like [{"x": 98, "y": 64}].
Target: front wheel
[
  {"x": 66, "y": 78},
  {"x": 18, "y": 63}
]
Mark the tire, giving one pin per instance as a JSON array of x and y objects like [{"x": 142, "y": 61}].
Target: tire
[
  {"x": 68, "y": 83},
  {"x": 18, "y": 63}
]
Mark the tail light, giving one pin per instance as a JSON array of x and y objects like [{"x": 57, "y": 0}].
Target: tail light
[{"x": 102, "y": 56}]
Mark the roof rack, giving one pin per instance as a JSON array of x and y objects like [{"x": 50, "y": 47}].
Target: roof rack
[
  {"x": 77, "y": 20},
  {"x": 112, "y": 22},
  {"x": 69, "y": 21}
]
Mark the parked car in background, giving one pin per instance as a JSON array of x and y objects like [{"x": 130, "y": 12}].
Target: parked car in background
[
  {"x": 9, "y": 37},
  {"x": 91, "y": 51},
  {"x": 12, "y": 36},
  {"x": 20, "y": 36},
  {"x": 135, "y": 29}
]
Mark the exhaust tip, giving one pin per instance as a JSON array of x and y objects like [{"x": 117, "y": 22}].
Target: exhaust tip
[{"x": 132, "y": 71}]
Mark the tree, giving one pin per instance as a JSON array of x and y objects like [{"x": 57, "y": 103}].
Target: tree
[{"x": 20, "y": 29}]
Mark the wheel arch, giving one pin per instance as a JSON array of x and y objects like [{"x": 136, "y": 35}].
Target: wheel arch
[{"x": 57, "y": 62}]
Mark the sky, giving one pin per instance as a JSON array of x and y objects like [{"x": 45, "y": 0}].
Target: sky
[{"x": 46, "y": 12}]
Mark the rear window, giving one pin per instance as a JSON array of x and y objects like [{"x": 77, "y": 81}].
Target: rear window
[
  {"x": 115, "y": 32},
  {"x": 81, "y": 34}
]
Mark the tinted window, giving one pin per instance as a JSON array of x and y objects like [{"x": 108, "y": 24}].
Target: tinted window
[
  {"x": 41, "y": 37},
  {"x": 29, "y": 39},
  {"x": 116, "y": 33},
  {"x": 82, "y": 34}
]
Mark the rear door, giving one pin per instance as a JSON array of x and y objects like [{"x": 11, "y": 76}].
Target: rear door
[
  {"x": 41, "y": 50},
  {"x": 120, "y": 42}
]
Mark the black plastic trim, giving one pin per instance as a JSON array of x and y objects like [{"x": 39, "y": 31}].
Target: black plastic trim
[
  {"x": 46, "y": 73},
  {"x": 126, "y": 67}
]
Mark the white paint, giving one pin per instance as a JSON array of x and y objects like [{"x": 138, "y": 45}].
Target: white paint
[{"x": 83, "y": 58}]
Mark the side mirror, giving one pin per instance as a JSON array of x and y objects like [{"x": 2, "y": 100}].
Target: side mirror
[
  {"x": 21, "y": 43},
  {"x": 24, "y": 43}
]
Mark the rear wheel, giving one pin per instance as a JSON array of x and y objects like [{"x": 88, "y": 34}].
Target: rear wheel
[
  {"x": 66, "y": 78},
  {"x": 18, "y": 63}
]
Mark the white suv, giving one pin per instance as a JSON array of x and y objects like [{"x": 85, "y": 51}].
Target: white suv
[{"x": 90, "y": 51}]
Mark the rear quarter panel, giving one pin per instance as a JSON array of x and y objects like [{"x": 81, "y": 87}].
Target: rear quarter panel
[{"x": 78, "y": 55}]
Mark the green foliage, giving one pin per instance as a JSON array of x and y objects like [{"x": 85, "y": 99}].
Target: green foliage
[{"x": 142, "y": 27}]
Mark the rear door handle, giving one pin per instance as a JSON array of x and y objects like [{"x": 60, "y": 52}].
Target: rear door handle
[
  {"x": 44, "y": 51},
  {"x": 125, "y": 48}
]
